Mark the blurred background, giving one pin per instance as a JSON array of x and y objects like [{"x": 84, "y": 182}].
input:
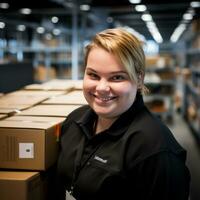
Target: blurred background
[{"x": 42, "y": 46}]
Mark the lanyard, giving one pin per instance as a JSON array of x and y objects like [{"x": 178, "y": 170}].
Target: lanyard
[{"x": 78, "y": 166}]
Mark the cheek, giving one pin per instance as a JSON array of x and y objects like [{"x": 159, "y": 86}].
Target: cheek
[
  {"x": 128, "y": 95},
  {"x": 87, "y": 84},
  {"x": 127, "y": 90}
]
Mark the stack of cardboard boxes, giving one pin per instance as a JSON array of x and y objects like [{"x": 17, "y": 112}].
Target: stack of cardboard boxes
[
  {"x": 160, "y": 80},
  {"x": 30, "y": 122}
]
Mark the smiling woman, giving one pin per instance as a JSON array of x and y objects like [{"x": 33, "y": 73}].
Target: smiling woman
[
  {"x": 107, "y": 86},
  {"x": 115, "y": 148}
]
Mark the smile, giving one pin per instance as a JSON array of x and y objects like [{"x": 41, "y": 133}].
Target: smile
[{"x": 105, "y": 99}]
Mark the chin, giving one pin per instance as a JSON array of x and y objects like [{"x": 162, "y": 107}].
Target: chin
[{"x": 105, "y": 114}]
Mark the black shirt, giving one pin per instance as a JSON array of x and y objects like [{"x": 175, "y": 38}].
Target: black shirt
[{"x": 137, "y": 158}]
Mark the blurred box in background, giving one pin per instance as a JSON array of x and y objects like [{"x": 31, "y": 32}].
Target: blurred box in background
[
  {"x": 75, "y": 97},
  {"x": 50, "y": 110},
  {"x": 2, "y": 116}
]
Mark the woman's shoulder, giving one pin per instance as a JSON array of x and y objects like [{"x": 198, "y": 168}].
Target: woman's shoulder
[
  {"x": 75, "y": 114},
  {"x": 153, "y": 135}
]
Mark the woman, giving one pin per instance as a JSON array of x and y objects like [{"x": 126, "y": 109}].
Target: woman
[{"x": 115, "y": 148}]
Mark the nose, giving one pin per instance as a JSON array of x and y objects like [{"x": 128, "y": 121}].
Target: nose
[{"x": 103, "y": 86}]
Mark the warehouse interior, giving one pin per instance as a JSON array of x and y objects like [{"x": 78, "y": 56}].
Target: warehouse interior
[{"x": 42, "y": 66}]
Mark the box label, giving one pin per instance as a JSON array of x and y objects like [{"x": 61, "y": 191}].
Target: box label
[{"x": 26, "y": 150}]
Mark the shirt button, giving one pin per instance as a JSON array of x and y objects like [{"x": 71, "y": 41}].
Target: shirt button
[{"x": 88, "y": 163}]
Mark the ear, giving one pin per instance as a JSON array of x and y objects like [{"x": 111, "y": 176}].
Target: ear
[
  {"x": 140, "y": 80},
  {"x": 140, "y": 77}
]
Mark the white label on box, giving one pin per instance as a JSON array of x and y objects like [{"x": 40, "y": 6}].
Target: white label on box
[{"x": 26, "y": 150}]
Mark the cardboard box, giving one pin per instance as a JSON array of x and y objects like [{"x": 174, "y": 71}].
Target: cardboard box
[
  {"x": 19, "y": 100},
  {"x": 77, "y": 84},
  {"x": 158, "y": 61},
  {"x": 31, "y": 93},
  {"x": 43, "y": 73},
  {"x": 62, "y": 84},
  {"x": 11, "y": 110},
  {"x": 20, "y": 186},
  {"x": 9, "y": 101},
  {"x": 54, "y": 84},
  {"x": 196, "y": 25},
  {"x": 50, "y": 110},
  {"x": 3, "y": 116},
  {"x": 75, "y": 97},
  {"x": 29, "y": 142}
]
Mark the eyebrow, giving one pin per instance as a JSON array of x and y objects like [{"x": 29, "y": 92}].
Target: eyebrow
[{"x": 115, "y": 72}]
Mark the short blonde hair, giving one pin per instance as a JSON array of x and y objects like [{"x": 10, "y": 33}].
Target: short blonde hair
[{"x": 124, "y": 46}]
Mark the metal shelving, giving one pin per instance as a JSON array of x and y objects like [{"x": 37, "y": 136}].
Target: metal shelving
[
  {"x": 192, "y": 87},
  {"x": 161, "y": 83}
]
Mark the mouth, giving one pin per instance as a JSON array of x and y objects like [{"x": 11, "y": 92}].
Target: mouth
[{"x": 104, "y": 99}]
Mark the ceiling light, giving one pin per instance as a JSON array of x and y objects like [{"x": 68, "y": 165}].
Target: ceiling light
[
  {"x": 140, "y": 8},
  {"x": 54, "y": 19},
  {"x": 2, "y": 25},
  {"x": 25, "y": 11},
  {"x": 195, "y": 4},
  {"x": 177, "y": 33},
  {"x": 156, "y": 34},
  {"x": 154, "y": 31},
  {"x": 56, "y": 31},
  {"x": 135, "y": 1},
  {"x": 187, "y": 16},
  {"x": 4, "y": 5},
  {"x": 40, "y": 30},
  {"x": 146, "y": 17},
  {"x": 150, "y": 24},
  {"x": 84, "y": 7},
  {"x": 21, "y": 27},
  {"x": 48, "y": 36}
]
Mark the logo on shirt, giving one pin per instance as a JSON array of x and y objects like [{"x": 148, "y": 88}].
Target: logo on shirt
[{"x": 100, "y": 159}]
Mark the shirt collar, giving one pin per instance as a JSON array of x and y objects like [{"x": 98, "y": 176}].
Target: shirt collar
[{"x": 86, "y": 121}]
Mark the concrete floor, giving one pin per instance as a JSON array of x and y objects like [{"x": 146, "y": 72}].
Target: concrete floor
[{"x": 187, "y": 139}]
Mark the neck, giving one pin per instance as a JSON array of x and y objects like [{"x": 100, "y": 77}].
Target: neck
[{"x": 103, "y": 124}]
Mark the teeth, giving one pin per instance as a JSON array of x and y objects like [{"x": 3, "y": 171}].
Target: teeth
[{"x": 105, "y": 98}]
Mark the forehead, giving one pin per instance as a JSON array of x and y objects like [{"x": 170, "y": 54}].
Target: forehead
[{"x": 100, "y": 59}]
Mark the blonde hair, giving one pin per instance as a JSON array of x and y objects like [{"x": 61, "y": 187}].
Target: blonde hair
[{"x": 127, "y": 48}]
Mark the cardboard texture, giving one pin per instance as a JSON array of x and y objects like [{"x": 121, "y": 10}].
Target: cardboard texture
[
  {"x": 77, "y": 84},
  {"x": 11, "y": 110},
  {"x": 29, "y": 143},
  {"x": 46, "y": 94},
  {"x": 57, "y": 84},
  {"x": 20, "y": 186},
  {"x": 2, "y": 116},
  {"x": 75, "y": 97},
  {"x": 54, "y": 84},
  {"x": 9, "y": 101},
  {"x": 50, "y": 110}
]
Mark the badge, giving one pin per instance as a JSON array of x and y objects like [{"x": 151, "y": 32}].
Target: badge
[{"x": 69, "y": 196}]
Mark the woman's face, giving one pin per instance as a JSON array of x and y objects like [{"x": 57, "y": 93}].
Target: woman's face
[{"x": 107, "y": 86}]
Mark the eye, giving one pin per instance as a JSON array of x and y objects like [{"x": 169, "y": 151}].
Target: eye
[
  {"x": 118, "y": 78},
  {"x": 92, "y": 75}
]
